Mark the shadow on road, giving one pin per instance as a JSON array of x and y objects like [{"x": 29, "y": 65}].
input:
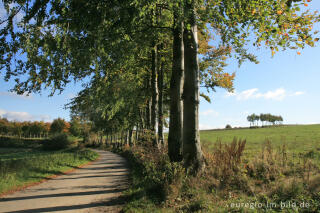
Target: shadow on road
[
  {"x": 98, "y": 185},
  {"x": 112, "y": 202},
  {"x": 61, "y": 195}
]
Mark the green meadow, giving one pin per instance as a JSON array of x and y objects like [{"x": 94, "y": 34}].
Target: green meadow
[
  {"x": 296, "y": 138},
  {"x": 23, "y": 166}
]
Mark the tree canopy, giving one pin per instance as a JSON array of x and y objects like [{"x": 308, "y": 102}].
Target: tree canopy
[{"x": 125, "y": 48}]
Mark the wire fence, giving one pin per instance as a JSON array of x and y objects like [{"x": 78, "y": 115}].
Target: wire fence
[
  {"x": 26, "y": 136},
  {"x": 29, "y": 156}
]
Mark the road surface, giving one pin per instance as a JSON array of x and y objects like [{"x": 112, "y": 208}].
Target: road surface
[{"x": 93, "y": 188}]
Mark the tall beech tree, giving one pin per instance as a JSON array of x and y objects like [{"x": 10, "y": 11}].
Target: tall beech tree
[
  {"x": 238, "y": 24},
  {"x": 192, "y": 153},
  {"x": 176, "y": 88}
]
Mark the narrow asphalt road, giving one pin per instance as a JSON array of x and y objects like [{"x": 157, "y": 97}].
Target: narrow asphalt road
[{"x": 93, "y": 188}]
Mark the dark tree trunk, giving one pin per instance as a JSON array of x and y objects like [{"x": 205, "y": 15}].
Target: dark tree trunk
[
  {"x": 127, "y": 138},
  {"x": 192, "y": 153},
  {"x": 176, "y": 88},
  {"x": 130, "y": 137},
  {"x": 122, "y": 138},
  {"x": 149, "y": 104},
  {"x": 160, "y": 110},
  {"x": 148, "y": 114},
  {"x": 116, "y": 139},
  {"x": 107, "y": 139},
  {"x": 137, "y": 135},
  {"x": 142, "y": 118},
  {"x": 101, "y": 139},
  {"x": 155, "y": 95}
]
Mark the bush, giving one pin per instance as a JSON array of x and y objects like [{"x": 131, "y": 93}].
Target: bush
[
  {"x": 228, "y": 126},
  {"x": 153, "y": 174},
  {"x": 15, "y": 142},
  {"x": 58, "y": 141},
  {"x": 92, "y": 140}
]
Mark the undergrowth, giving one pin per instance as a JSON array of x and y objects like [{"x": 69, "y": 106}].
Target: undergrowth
[{"x": 272, "y": 182}]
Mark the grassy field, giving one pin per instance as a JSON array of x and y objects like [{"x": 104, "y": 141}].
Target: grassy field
[
  {"x": 297, "y": 138},
  {"x": 278, "y": 170},
  {"x": 20, "y": 167}
]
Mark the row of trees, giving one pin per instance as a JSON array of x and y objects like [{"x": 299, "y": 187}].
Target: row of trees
[
  {"x": 142, "y": 57},
  {"x": 265, "y": 119},
  {"x": 38, "y": 129}
]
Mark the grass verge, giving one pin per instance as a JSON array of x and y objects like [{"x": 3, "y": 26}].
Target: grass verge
[
  {"x": 31, "y": 167},
  {"x": 269, "y": 183},
  {"x": 151, "y": 175}
]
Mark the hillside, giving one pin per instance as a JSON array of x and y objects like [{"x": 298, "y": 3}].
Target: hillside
[{"x": 297, "y": 138}]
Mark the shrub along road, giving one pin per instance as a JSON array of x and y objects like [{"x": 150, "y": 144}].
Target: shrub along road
[{"x": 94, "y": 188}]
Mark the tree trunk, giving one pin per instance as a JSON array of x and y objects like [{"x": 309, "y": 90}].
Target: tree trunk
[
  {"x": 149, "y": 103},
  {"x": 106, "y": 141},
  {"x": 127, "y": 138},
  {"x": 192, "y": 153},
  {"x": 142, "y": 118},
  {"x": 101, "y": 139},
  {"x": 176, "y": 88},
  {"x": 155, "y": 96},
  {"x": 130, "y": 138},
  {"x": 148, "y": 114},
  {"x": 122, "y": 141},
  {"x": 137, "y": 135},
  {"x": 160, "y": 104}
]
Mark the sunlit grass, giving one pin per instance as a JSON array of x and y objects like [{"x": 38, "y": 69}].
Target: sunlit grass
[
  {"x": 25, "y": 166},
  {"x": 297, "y": 138}
]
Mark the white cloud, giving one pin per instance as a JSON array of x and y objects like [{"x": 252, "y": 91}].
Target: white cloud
[
  {"x": 14, "y": 95},
  {"x": 23, "y": 116},
  {"x": 298, "y": 93},
  {"x": 206, "y": 126},
  {"x": 247, "y": 94},
  {"x": 230, "y": 94},
  {"x": 278, "y": 94},
  {"x": 209, "y": 112}
]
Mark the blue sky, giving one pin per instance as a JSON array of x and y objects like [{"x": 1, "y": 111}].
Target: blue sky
[{"x": 287, "y": 84}]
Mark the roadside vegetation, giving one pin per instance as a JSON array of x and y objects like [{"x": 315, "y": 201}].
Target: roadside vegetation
[
  {"x": 237, "y": 178},
  {"x": 20, "y": 167},
  {"x": 26, "y": 161}
]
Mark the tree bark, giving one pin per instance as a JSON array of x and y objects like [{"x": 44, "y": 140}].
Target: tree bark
[
  {"x": 137, "y": 135},
  {"x": 160, "y": 104},
  {"x": 176, "y": 88},
  {"x": 149, "y": 105},
  {"x": 192, "y": 153},
  {"x": 142, "y": 118},
  {"x": 155, "y": 95},
  {"x": 107, "y": 139},
  {"x": 130, "y": 138},
  {"x": 127, "y": 138}
]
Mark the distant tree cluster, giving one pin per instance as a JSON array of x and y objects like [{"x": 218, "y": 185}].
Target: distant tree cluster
[
  {"x": 36, "y": 128},
  {"x": 266, "y": 119},
  {"x": 228, "y": 126}
]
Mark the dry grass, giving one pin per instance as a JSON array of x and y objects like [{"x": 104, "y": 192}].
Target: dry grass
[{"x": 274, "y": 175}]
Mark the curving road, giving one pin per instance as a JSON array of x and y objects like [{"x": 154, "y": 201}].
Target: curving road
[{"x": 93, "y": 188}]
